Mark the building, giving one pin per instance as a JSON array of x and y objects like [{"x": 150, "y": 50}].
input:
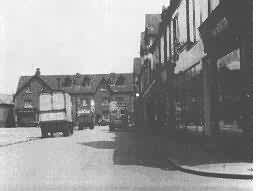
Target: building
[
  {"x": 85, "y": 89},
  {"x": 6, "y": 111},
  {"x": 204, "y": 71}
]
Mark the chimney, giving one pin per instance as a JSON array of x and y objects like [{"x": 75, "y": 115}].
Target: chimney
[{"x": 37, "y": 72}]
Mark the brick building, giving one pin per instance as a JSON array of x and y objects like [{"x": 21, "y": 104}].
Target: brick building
[{"x": 85, "y": 89}]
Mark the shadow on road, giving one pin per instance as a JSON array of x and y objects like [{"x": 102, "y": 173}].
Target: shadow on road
[
  {"x": 100, "y": 144},
  {"x": 135, "y": 149}
]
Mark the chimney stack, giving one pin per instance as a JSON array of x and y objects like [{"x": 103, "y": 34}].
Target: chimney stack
[{"x": 37, "y": 72}]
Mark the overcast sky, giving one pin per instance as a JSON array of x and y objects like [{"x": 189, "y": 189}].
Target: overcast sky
[{"x": 69, "y": 36}]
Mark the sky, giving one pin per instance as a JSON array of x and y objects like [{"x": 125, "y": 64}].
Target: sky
[{"x": 69, "y": 36}]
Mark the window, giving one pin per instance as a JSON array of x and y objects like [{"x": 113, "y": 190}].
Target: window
[
  {"x": 67, "y": 82},
  {"x": 84, "y": 102},
  {"x": 203, "y": 10},
  {"x": 194, "y": 20},
  {"x": 86, "y": 81},
  {"x": 167, "y": 42},
  {"x": 180, "y": 24},
  {"x": 28, "y": 90},
  {"x": 119, "y": 99},
  {"x": 162, "y": 50},
  {"x": 120, "y": 80},
  {"x": 28, "y": 104}
]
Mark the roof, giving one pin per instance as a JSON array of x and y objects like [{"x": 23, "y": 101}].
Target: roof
[
  {"x": 53, "y": 81},
  {"x": 6, "y": 99}
]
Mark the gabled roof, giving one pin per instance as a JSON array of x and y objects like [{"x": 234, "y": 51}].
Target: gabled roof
[
  {"x": 6, "y": 99},
  {"x": 53, "y": 81}
]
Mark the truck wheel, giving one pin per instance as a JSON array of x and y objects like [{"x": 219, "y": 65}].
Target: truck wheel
[
  {"x": 44, "y": 133},
  {"x": 111, "y": 128},
  {"x": 91, "y": 126},
  {"x": 80, "y": 127},
  {"x": 66, "y": 132}
]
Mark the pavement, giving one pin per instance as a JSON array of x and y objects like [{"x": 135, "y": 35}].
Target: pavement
[{"x": 99, "y": 160}]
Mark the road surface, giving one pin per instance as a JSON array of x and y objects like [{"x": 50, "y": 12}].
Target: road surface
[{"x": 96, "y": 160}]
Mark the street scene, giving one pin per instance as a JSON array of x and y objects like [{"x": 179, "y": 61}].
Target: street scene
[
  {"x": 100, "y": 160},
  {"x": 115, "y": 95}
]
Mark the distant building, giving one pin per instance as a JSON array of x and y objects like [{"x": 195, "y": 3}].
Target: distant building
[
  {"x": 85, "y": 89},
  {"x": 6, "y": 111}
]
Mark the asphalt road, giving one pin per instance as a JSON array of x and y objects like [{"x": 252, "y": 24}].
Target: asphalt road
[{"x": 96, "y": 160}]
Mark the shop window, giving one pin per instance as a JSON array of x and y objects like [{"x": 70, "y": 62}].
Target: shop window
[
  {"x": 189, "y": 99},
  {"x": 28, "y": 90},
  {"x": 229, "y": 90}
]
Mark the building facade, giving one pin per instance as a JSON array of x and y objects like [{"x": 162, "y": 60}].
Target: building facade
[
  {"x": 85, "y": 90},
  {"x": 6, "y": 111},
  {"x": 204, "y": 71}
]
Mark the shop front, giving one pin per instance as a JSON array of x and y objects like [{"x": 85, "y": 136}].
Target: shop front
[
  {"x": 189, "y": 99},
  {"x": 227, "y": 68}
]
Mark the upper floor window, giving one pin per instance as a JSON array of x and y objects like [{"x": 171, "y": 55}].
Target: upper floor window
[
  {"x": 28, "y": 103},
  {"x": 28, "y": 90},
  {"x": 86, "y": 81},
  {"x": 194, "y": 20},
  {"x": 120, "y": 80},
  {"x": 67, "y": 82},
  {"x": 119, "y": 99},
  {"x": 162, "y": 49}
]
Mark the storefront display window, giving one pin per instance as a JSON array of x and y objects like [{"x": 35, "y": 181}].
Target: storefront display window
[
  {"x": 229, "y": 90},
  {"x": 189, "y": 98}
]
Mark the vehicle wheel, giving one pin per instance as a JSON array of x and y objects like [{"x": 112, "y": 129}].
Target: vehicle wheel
[
  {"x": 44, "y": 133},
  {"x": 66, "y": 132},
  {"x": 91, "y": 126},
  {"x": 71, "y": 129},
  {"x": 111, "y": 128},
  {"x": 80, "y": 127}
]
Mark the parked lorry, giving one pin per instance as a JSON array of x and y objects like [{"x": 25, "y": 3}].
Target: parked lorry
[
  {"x": 55, "y": 113},
  {"x": 85, "y": 117},
  {"x": 118, "y": 116}
]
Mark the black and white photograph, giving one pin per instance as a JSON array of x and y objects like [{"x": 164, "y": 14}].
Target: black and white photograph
[{"x": 112, "y": 95}]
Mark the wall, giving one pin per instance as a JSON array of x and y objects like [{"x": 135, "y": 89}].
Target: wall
[{"x": 36, "y": 87}]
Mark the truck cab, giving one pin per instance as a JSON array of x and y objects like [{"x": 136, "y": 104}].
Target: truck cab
[
  {"x": 118, "y": 116},
  {"x": 85, "y": 117}
]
